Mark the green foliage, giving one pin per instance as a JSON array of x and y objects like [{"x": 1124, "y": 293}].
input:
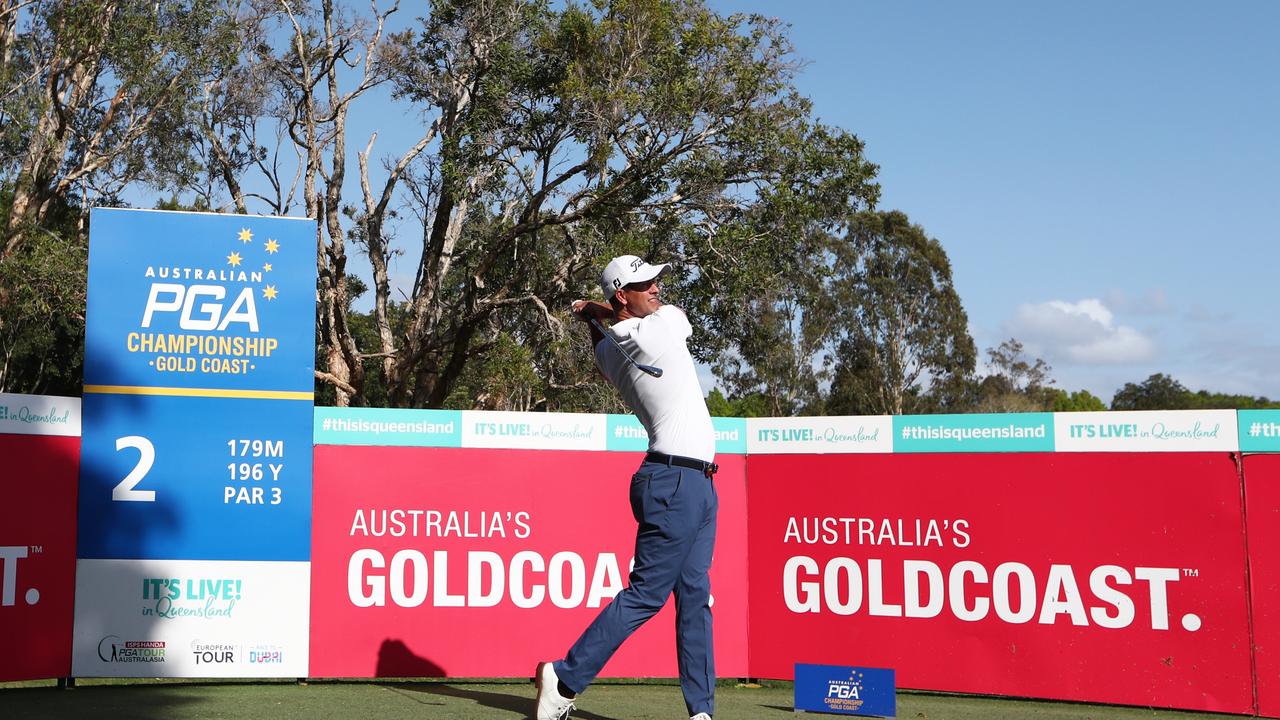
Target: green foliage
[
  {"x": 42, "y": 293},
  {"x": 505, "y": 379},
  {"x": 903, "y": 330},
  {"x": 1078, "y": 401},
  {"x": 1015, "y": 382},
  {"x": 102, "y": 97},
  {"x": 1205, "y": 400},
  {"x": 1162, "y": 392},
  {"x": 750, "y": 406},
  {"x": 768, "y": 307},
  {"x": 654, "y": 127},
  {"x": 173, "y": 202},
  {"x": 97, "y": 96},
  {"x": 1157, "y": 392}
]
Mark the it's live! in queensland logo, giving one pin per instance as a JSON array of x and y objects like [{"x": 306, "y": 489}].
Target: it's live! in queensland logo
[{"x": 203, "y": 597}]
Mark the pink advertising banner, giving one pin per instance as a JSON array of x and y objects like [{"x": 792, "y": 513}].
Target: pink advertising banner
[
  {"x": 462, "y": 562},
  {"x": 1114, "y": 578},
  {"x": 37, "y": 554},
  {"x": 1262, "y": 493}
]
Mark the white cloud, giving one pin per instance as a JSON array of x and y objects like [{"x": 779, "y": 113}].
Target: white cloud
[{"x": 1083, "y": 332}]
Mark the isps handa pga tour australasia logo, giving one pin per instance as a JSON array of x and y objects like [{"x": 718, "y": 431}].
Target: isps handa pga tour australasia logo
[
  {"x": 112, "y": 649},
  {"x": 222, "y": 296}
]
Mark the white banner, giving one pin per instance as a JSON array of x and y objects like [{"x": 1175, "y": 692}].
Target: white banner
[
  {"x": 1146, "y": 431},
  {"x": 534, "y": 431},
  {"x": 191, "y": 618},
  {"x": 848, "y": 434},
  {"x": 39, "y": 415}
]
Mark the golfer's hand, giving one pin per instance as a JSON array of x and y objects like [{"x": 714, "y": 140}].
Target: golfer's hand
[{"x": 584, "y": 310}]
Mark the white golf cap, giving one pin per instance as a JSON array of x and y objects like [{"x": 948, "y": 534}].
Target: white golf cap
[{"x": 627, "y": 269}]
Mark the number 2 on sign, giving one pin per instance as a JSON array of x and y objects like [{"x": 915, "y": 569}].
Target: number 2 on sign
[{"x": 146, "y": 458}]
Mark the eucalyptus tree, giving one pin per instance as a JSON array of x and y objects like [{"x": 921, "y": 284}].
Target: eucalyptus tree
[
  {"x": 903, "y": 328},
  {"x": 555, "y": 138},
  {"x": 1016, "y": 382},
  {"x": 96, "y": 96},
  {"x": 551, "y": 137}
]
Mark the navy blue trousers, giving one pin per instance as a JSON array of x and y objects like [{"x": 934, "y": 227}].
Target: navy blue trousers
[{"x": 676, "y": 511}]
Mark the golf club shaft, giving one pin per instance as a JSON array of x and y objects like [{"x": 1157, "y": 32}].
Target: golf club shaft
[{"x": 647, "y": 369}]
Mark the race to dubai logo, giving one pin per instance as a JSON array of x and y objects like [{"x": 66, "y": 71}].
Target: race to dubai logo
[{"x": 266, "y": 654}]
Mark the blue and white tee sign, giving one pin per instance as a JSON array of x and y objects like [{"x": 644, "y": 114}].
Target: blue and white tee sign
[
  {"x": 199, "y": 356},
  {"x": 845, "y": 690}
]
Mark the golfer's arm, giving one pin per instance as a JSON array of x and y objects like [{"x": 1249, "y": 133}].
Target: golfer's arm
[
  {"x": 596, "y": 338},
  {"x": 599, "y": 311}
]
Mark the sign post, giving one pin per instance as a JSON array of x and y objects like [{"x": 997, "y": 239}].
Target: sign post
[{"x": 195, "y": 485}]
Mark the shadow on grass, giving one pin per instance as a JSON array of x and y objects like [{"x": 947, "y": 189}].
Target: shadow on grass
[
  {"x": 95, "y": 703},
  {"x": 520, "y": 705},
  {"x": 396, "y": 659}
]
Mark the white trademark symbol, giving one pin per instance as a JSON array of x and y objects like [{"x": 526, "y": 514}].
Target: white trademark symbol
[{"x": 1190, "y": 572}]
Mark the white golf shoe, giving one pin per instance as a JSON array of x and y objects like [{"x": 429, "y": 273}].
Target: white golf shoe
[
  {"x": 551, "y": 704},
  {"x": 701, "y": 716}
]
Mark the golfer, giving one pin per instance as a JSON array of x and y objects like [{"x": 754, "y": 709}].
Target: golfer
[{"x": 672, "y": 496}]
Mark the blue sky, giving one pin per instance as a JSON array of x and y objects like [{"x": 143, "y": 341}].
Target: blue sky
[{"x": 1103, "y": 175}]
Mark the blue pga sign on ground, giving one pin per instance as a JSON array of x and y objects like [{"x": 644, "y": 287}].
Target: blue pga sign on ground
[
  {"x": 197, "y": 406},
  {"x": 845, "y": 690}
]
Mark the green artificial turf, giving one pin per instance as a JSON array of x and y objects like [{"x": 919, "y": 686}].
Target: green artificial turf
[{"x": 509, "y": 700}]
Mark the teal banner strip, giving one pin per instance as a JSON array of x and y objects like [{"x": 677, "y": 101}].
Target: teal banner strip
[
  {"x": 731, "y": 435},
  {"x": 382, "y": 426},
  {"x": 626, "y": 434},
  {"x": 1015, "y": 432},
  {"x": 1259, "y": 430}
]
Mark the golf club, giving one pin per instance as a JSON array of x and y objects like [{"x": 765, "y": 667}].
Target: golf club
[{"x": 647, "y": 369}]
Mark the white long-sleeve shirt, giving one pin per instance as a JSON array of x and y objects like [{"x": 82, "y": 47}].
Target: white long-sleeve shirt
[{"x": 670, "y": 407}]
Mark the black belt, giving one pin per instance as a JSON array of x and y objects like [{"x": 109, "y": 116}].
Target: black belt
[{"x": 706, "y": 468}]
